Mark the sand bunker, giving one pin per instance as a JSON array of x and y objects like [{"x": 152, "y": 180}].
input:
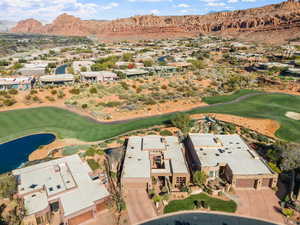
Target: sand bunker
[{"x": 293, "y": 115}]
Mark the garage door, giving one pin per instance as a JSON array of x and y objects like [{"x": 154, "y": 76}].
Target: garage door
[
  {"x": 81, "y": 218},
  {"x": 267, "y": 182},
  {"x": 101, "y": 206},
  {"x": 245, "y": 183}
]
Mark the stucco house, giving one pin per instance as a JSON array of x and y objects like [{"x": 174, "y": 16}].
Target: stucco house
[
  {"x": 63, "y": 188},
  {"x": 230, "y": 158},
  {"x": 154, "y": 156}
]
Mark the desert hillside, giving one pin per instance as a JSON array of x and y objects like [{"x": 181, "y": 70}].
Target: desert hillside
[{"x": 250, "y": 24}]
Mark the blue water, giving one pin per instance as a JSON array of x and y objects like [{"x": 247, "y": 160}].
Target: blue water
[
  {"x": 61, "y": 69},
  {"x": 162, "y": 59},
  {"x": 15, "y": 153},
  {"x": 205, "y": 219}
]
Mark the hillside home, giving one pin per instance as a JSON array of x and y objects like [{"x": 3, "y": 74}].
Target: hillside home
[
  {"x": 134, "y": 72},
  {"x": 154, "y": 156},
  {"x": 21, "y": 83},
  {"x": 161, "y": 69},
  {"x": 293, "y": 72},
  {"x": 77, "y": 65},
  {"x": 228, "y": 157},
  {"x": 64, "y": 188},
  {"x": 99, "y": 76},
  {"x": 58, "y": 79}
]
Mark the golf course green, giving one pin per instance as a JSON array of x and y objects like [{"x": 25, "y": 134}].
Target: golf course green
[{"x": 65, "y": 124}]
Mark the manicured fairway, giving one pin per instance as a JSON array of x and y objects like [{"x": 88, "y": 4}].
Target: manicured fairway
[
  {"x": 70, "y": 125},
  {"x": 227, "y": 98}
]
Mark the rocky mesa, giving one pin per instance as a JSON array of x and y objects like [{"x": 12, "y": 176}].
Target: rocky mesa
[{"x": 249, "y": 24}]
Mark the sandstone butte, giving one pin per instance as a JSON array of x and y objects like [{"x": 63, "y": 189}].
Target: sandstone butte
[{"x": 250, "y": 24}]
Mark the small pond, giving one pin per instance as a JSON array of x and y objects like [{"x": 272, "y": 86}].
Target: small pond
[
  {"x": 16, "y": 152},
  {"x": 205, "y": 219},
  {"x": 61, "y": 69}
]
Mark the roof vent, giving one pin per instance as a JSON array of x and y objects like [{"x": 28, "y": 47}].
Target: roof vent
[{"x": 33, "y": 186}]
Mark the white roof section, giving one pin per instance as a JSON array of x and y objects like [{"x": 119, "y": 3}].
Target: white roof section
[
  {"x": 36, "y": 202},
  {"x": 153, "y": 142},
  {"x": 99, "y": 74},
  {"x": 66, "y": 178},
  {"x": 137, "y": 163},
  {"x": 228, "y": 149},
  {"x": 57, "y": 77}
]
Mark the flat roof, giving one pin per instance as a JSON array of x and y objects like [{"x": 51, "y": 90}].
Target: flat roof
[
  {"x": 66, "y": 179},
  {"x": 137, "y": 162},
  {"x": 232, "y": 150},
  {"x": 57, "y": 77}
]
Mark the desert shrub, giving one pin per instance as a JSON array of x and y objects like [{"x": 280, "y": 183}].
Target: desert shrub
[
  {"x": 9, "y": 102},
  {"x": 60, "y": 94},
  {"x": 288, "y": 212},
  {"x": 124, "y": 85},
  {"x": 75, "y": 91},
  {"x": 165, "y": 133},
  {"x": 27, "y": 97},
  {"x": 150, "y": 101},
  {"x": 93, "y": 164},
  {"x": 164, "y": 87},
  {"x": 3, "y": 93},
  {"x": 90, "y": 152},
  {"x": 53, "y": 92},
  {"x": 139, "y": 90},
  {"x": 8, "y": 186},
  {"x": 50, "y": 98},
  {"x": 93, "y": 90},
  {"x": 110, "y": 104},
  {"x": 13, "y": 91},
  {"x": 84, "y": 106},
  {"x": 36, "y": 99},
  {"x": 32, "y": 92}
]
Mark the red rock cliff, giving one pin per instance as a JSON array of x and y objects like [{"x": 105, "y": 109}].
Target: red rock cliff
[{"x": 272, "y": 18}]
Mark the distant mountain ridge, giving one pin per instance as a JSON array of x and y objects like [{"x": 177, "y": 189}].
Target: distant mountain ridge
[{"x": 249, "y": 24}]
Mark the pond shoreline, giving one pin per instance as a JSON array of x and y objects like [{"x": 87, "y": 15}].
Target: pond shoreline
[{"x": 16, "y": 152}]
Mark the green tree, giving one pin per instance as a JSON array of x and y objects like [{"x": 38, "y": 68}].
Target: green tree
[
  {"x": 182, "y": 121},
  {"x": 290, "y": 162},
  {"x": 148, "y": 63},
  {"x": 127, "y": 57},
  {"x": 199, "y": 178}
]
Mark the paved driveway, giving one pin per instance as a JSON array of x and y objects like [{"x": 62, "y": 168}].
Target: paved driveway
[
  {"x": 259, "y": 203},
  {"x": 139, "y": 206},
  {"x": 104, "y": 217}
]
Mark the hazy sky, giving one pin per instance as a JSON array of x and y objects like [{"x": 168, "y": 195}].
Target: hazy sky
[{"x": 47, "y": 10}]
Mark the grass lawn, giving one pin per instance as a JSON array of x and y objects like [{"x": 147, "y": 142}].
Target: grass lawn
[
  {"x": 226, "y": 98},
  {"x": 66, "y": 124},
  {"x": 188, "y": 204}
]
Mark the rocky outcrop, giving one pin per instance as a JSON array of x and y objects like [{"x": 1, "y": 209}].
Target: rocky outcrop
[{"x": 277, "y": 17}]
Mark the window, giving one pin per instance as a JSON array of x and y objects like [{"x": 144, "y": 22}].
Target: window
[{"x": 211, "y": 173}]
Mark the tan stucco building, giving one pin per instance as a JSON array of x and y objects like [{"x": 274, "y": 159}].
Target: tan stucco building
[
  {"x": 63, "y": 188},
  {"x": 154, "y": 157},
  {"x": 230, "y": 158}
]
